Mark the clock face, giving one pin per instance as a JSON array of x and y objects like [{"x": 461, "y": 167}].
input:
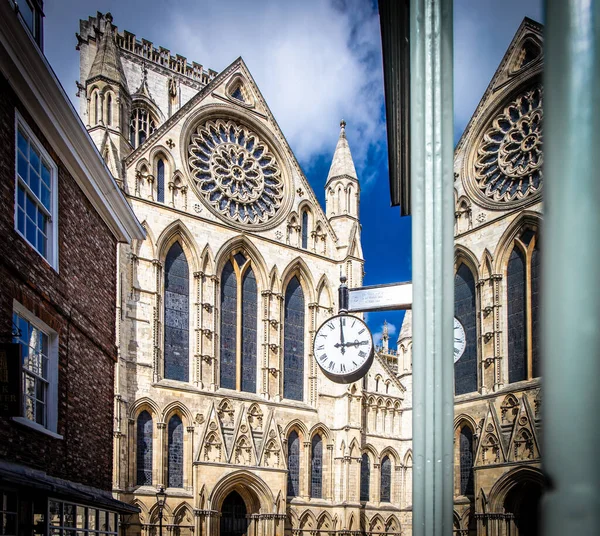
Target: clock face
[
  {"x": 343, "y": 348},
  {"x": 460, "y": 340}
]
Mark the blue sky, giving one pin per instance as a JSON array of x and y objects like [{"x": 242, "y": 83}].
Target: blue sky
[{"x": 316, "y": 62}]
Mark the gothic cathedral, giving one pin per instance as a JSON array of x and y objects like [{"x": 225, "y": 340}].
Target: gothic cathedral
[{"x": 218, "y": 397}]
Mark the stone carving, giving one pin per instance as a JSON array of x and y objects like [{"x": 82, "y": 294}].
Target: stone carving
[
  {"x": 508, "y": 163},
  {"x": 523, "y": 445},
  {"x": 243, "y": 451},
  {"x": 272, "y": 454},
  {"x": 255, "y": 417},
  {"x": 212, "y": 448},
  {"x": 490, "y": 450},
  {"x": 225, "y": 412},
  {"x": 235, "y": 172}
]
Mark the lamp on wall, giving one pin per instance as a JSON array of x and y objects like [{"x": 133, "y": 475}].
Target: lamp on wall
[{"x": 161, "y": 499}]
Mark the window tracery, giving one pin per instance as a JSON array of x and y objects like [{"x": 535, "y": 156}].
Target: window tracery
[
  {"x": 466, "y": 460},
  {"x": 507, "y": 166},
  {"x": 365, "y": 477},
  {"x": 293, "y": 341},
  {"x": 465, "y": 369},
  {"x": 316, "y": 475},
  {"x": 141, "y": 126},
  {"x": 239, "y": 318},
  {"x": 293, "y": 489},
  {"x": 144, "y": 449},
  {"x": 175, "y": 454},
  {"x": 386, "y": 480},
  {"x": 235, "y": 172}
]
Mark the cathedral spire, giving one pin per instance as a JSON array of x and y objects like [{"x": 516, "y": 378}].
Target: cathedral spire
[
  {"x": 342, "y": 163},
  {"x": 107, "y": 62}
]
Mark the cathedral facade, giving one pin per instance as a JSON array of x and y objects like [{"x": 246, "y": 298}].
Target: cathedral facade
[
  {"x": 498, "y": 189},
  {"x": 218, "y": 397}
]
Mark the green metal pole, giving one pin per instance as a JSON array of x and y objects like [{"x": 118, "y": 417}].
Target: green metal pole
[
  {"x": 433, "y": 253},
  {"x": 571, "y": 286}
]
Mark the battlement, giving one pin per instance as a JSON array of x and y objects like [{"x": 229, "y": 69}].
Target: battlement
[{"x": 93, "y": 28}]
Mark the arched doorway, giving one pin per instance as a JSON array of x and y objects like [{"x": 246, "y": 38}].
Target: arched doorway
[
  {"x": 523, "y": 502},
  {"x": 234, "y": 521}
]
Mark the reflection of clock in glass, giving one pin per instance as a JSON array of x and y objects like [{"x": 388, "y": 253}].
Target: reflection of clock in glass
[
  {"x": 343, "y": 348},
  {"x": 460, "y": 340}
]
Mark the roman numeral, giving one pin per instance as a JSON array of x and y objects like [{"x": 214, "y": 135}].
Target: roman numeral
[
  {"x": 362, "y": 354},
  {"x": 323, "y": 357},
  {"x": 456, "y": 350},
  {"x": 331, "y": 365},
  {"x": 331, "y": 326},
  {"x": 342, "y": 368},
  {"x": 361, "y": 331},
  {"x": 353, "y": 324},
  {"x": 354, "y": 363}
]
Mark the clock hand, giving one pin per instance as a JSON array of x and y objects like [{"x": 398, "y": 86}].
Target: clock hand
[{"x": 342, "y": 344}]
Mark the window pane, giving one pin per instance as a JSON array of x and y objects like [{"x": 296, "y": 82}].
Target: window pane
[
  {"x": 160, "y": 181},
  {"x": 34, "y": 182},
  {"x": 293, "y": 488},
  {"x": 465, "y": 369},
  {"x": 176, "y": 350},
  {"x": 516, "y": 336},
  {"x": 249, "y": 326},
  {"x": 535, "y": 312},
  {"x": 365, "y": 476},
  {"x": 68, "y": 515},
  {"x": 175, "y": 460},
  {"x": 35, "y": 159},
  {"x": 54, "y": 508},
  {"x": 92, "y": 512},
  {"x": 293, "y": 347},
  {"x": 22, "y": 167},
  {"x": 466, "y": 461},
  {"x": 22, "y": 142},
  {"x": 316, "y": 476},
  {"x": 305, "y": 229},
  {"x": 228, "y": 326},
  {"x": 386, "y": 480},
  {"x": 144, "y": 450}
]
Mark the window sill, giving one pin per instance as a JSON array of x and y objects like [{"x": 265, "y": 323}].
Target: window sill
[{"x": 37, "y": 427}]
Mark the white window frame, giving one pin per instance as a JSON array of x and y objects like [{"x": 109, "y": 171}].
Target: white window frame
[
  {"x": 52, "y": 226},
  {"x": 52, "y": 392}
]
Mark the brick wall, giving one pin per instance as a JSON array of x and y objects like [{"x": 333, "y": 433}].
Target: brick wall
[{"x": 78, "y": 302}]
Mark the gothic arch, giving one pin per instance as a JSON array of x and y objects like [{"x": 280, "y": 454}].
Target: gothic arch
[
  {"x": 144, "y": 516},
  {"x": 254, "y": 491},
  {"x": 157, "y": 152},
  {"x": 376, "y": 524},
  {"x": 408, "y": 458},
  {"x": 324, "y": 521},
  {"x": 207, "y": 260},
  {"x": 179, "y": 409},
  {"x": 142, "y": 164},
  {"x": 354, "y": 448},
  {"x": 463, "y": 418},
  {"x": 146, "y": 248},
  {"x": 372, "y": 452},
  {"x": 508, "y": 481},
  {"x": 142, "y": 404},
  {"x": 392, "y": 525},
  {"x": 324, "y": 292},
  {"x": 486, "y": 264},
  {"x": 462, "y": 255},
  {"x": 300, "y": 428},
  {"x": 274, "y": 281},
  {"x": 392, "y": 453},
  {"x": 244, "y": 244},
  {"x": 299, "y": 268},
  {"x": 308, "y": 520},
  {"x": 167, "y": 514},
  {"x": 526, "y": 219},
  {"x": 322, "y": 430},
  {"x": 178, "y": 231}
]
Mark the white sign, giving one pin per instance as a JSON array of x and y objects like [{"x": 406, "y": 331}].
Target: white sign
[{"x": 380, "y": 297}]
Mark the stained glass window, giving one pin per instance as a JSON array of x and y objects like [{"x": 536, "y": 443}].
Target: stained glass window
[
  {"x": 305, "y": 229},
  {"x": 293, "y": 488},
  {"x": 141, "y": 126},
  {"x": 316, "y": 469},
  {"x": 293, "y": 344},
  {"x": 386, "y": 480},
  {"x": 365, "y": 476},
  {"x": 249, "y": 321},
  {"x": 228, "y": 326},
  {"x": 465, "y": 369},
  {"x": 516, "y": 336},
  {"x": 175, "y": 460},
  {"x": 176, "y": 315},
  {"x": 144, "y": 449},
  {"x": 466, "y": 461},
  {"x": 535, "y": 310},
  {"x": 109, "y": 109},
  {"x": 160, "y": 181}
]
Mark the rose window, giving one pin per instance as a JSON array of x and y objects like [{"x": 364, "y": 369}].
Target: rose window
[
  {"x": 235, "y": 172},
  {"x": 508, "y": 163}
]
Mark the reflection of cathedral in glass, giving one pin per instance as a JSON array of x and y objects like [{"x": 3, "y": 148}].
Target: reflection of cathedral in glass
[{"x": 218, "y": 397}]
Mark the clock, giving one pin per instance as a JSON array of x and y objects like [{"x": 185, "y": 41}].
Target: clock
[
  {"x": 343, "y": 348},
  {"x": 460, "y": 340}
]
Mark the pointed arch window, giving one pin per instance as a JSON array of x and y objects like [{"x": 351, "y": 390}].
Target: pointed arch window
[
  {"x": 466, "y": 461},
  {"x": 96, "y": 108},
  {"x": 144, "y": 449},
  {"x": 239, "y": 317},
  {"x": 304, "y": 229},
  {"x": 109, "y": 109},
  {"x": 465, "y": 369},
  {"x": 160, "y": 180},
  {"x": 141, "y": 126},
  {"x": 316, "y": 468},
  {"x": 176, "y": 315},
  {"x": 365, "y": 477},
  {"x": 293, "y": 341},
  {"x": 175, "y": 455},
  {"x": 293, "y": 489},
  {"x": 386, "y": 480},
  {"x": 522, "y": 288}
]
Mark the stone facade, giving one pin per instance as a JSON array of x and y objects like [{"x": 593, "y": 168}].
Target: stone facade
[{"x": 218, "y": 397}]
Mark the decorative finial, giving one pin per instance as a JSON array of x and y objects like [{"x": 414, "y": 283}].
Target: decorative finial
[
  {"x": 108, "y": 17},
  {"x": 385, "y": 329},
  {"x": 343, "y": 124}
]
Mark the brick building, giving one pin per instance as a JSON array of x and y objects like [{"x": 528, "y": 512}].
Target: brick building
[{"x": 61, "y": 219}]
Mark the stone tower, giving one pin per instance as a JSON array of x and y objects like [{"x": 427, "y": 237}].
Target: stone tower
[{"x": 106, "y": 107}]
